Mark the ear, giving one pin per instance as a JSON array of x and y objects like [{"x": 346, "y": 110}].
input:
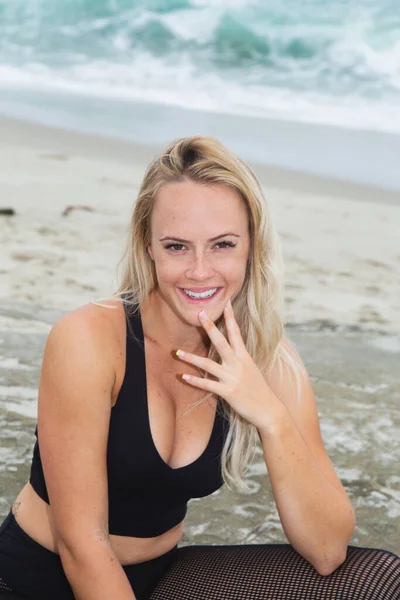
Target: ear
[{"x": 150, "y": 251}]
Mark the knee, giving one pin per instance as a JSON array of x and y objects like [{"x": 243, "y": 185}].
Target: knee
[{"x": 374, "y": 569}]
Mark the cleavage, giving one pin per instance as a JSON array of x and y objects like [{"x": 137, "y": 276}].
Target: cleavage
[{"x": 179, "y": 440}]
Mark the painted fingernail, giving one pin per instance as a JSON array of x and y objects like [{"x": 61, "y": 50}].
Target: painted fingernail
[
  {"x": 202, "y": 315},
  {"x": 186, "y": 377},
  {"x": 180, "y": 353},
  {"x": 228, "y": 304}
]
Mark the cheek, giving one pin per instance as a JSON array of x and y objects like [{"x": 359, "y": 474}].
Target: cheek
[
  {"x": 233, "y": 268},
  {"x": 167, "y": 270}
]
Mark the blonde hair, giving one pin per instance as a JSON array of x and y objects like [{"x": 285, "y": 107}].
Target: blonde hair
[{"x": 257, "y": 307}]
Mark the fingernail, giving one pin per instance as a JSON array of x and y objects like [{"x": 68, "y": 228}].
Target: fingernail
[
  {"x": 202, "y": 315},
  {"x": 180, "y": 353},
  {"x": 229, "y": 304}
]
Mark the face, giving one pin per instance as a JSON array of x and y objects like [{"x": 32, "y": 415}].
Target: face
[{"x": 200, "y": 245}]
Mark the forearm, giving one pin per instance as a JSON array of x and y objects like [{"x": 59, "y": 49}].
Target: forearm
[
  {"x": 317, "y": 518},
  {"x": 94, "y": 573}
]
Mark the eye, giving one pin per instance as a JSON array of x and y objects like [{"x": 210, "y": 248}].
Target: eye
[
  {"x": 226, "y": 244},
  {"x": 175, "y": 247},
  {"x": 178, "y": 247}
]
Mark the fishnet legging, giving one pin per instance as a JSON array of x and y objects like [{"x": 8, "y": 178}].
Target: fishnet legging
[
  {"x": 277, "y": 572},
  {"x": 272, "y": 572}
]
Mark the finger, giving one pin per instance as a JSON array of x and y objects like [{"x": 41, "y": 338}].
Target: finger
[
  {"x": 233, "y": 330},
  {"x": 205, "y": 384},
  {"x": 218, "y": 339},
  {"x": 206, "y": 364}
]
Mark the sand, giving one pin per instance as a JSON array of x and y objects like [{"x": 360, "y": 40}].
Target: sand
[{"x": 73, "y": 195}]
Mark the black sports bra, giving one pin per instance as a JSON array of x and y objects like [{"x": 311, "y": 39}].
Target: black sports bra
[{"x": 146, "y": 496}]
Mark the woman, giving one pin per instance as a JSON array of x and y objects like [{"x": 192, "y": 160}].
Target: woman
[{"x": 159, "y": 394}]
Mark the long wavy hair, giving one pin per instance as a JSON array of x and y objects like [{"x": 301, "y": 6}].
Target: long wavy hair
[{"x": 258, "y": 307}]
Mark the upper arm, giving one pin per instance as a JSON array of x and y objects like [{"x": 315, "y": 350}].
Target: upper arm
[
  {"x": 303, "y": 409},
  {"x": 74, "y": 407}
]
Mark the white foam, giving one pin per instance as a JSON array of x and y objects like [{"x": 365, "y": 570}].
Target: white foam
[
  {"x": 257, "y": 469},
  {"x": 14, "y": 363},
  {"x": 24, "y": 409},
  {"x": 387, "y": 343},
  {"x": 242, "y": 512},
  {"x": 199, "y": 529},
  {"x": 350, "y": 474},
  {"x": 19, "y": 400},
  {"x": 18, "y": 391},
  {"x": 144, "y": 78}
]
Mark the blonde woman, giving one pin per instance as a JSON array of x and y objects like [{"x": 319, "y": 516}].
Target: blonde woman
[{"x": 160, "y": 393}]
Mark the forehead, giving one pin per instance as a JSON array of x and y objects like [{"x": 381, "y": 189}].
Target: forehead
[{"x": 192, "y": 206}]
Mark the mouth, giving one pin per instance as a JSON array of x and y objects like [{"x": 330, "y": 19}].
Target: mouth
[{"x": 200, "y": 296}]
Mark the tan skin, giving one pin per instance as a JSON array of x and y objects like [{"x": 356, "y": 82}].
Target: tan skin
[{"x": 84, "y": 364}]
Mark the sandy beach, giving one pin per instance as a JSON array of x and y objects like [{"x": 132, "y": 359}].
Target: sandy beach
[
  {"x": 73, "y": 194},
  {"x": 90, "y": 93}
]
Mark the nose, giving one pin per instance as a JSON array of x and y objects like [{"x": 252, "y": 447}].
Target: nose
[{"x": 200, "y": 268}]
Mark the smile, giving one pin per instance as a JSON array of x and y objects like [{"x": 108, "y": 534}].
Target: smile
[
  {"x": 203, "y": 296},
  {"x": 206, "y": 294}
]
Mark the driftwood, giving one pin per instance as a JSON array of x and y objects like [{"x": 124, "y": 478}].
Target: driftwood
[
  {"x": 72, "y": 207},
  {"x": 7, "y": 212}
]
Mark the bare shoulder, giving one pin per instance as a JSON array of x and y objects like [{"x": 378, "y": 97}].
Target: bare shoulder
[
  {"x": 97, "y": 319},
  {"x": 93, "y": 332}
]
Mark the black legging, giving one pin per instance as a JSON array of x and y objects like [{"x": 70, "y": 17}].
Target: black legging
[{"x": 273, "y": 572}]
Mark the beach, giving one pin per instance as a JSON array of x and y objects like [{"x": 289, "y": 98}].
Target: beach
[
  {"x": 308, "y": 95},
  {"x": 73, "y": 194}
]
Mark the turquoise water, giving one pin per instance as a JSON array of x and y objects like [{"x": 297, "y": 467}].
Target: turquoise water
[{"x": 325, "y": 61}]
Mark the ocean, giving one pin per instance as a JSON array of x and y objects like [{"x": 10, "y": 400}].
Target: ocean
[{"x": 334, "y": 63}]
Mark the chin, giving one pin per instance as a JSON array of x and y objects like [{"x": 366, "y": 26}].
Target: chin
[{"x": 190, "y": 314}]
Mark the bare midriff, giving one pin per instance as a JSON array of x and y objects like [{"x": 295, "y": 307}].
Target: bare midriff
[{"x": 35, "y": 517}]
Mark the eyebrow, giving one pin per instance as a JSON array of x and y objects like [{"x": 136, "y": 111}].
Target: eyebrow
[{"x": 188, "y": 242}]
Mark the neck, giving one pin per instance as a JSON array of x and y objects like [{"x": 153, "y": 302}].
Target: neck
[{"x": 164, "y": 327}]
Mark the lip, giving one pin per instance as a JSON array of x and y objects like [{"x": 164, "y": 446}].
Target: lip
[{"x": 199, "y": 290}]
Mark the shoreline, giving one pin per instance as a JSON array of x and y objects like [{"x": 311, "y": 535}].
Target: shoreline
[
  {"x": 73, "y": 195},
  {"x": 356, "y": 156},
  {"x": 38, "y": 136}
]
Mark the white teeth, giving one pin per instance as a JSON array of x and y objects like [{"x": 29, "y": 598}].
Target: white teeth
[{"x": 206, "y": 294}]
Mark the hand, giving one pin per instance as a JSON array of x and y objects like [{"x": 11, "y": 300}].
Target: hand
[{"x": 240, "y": 382}]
